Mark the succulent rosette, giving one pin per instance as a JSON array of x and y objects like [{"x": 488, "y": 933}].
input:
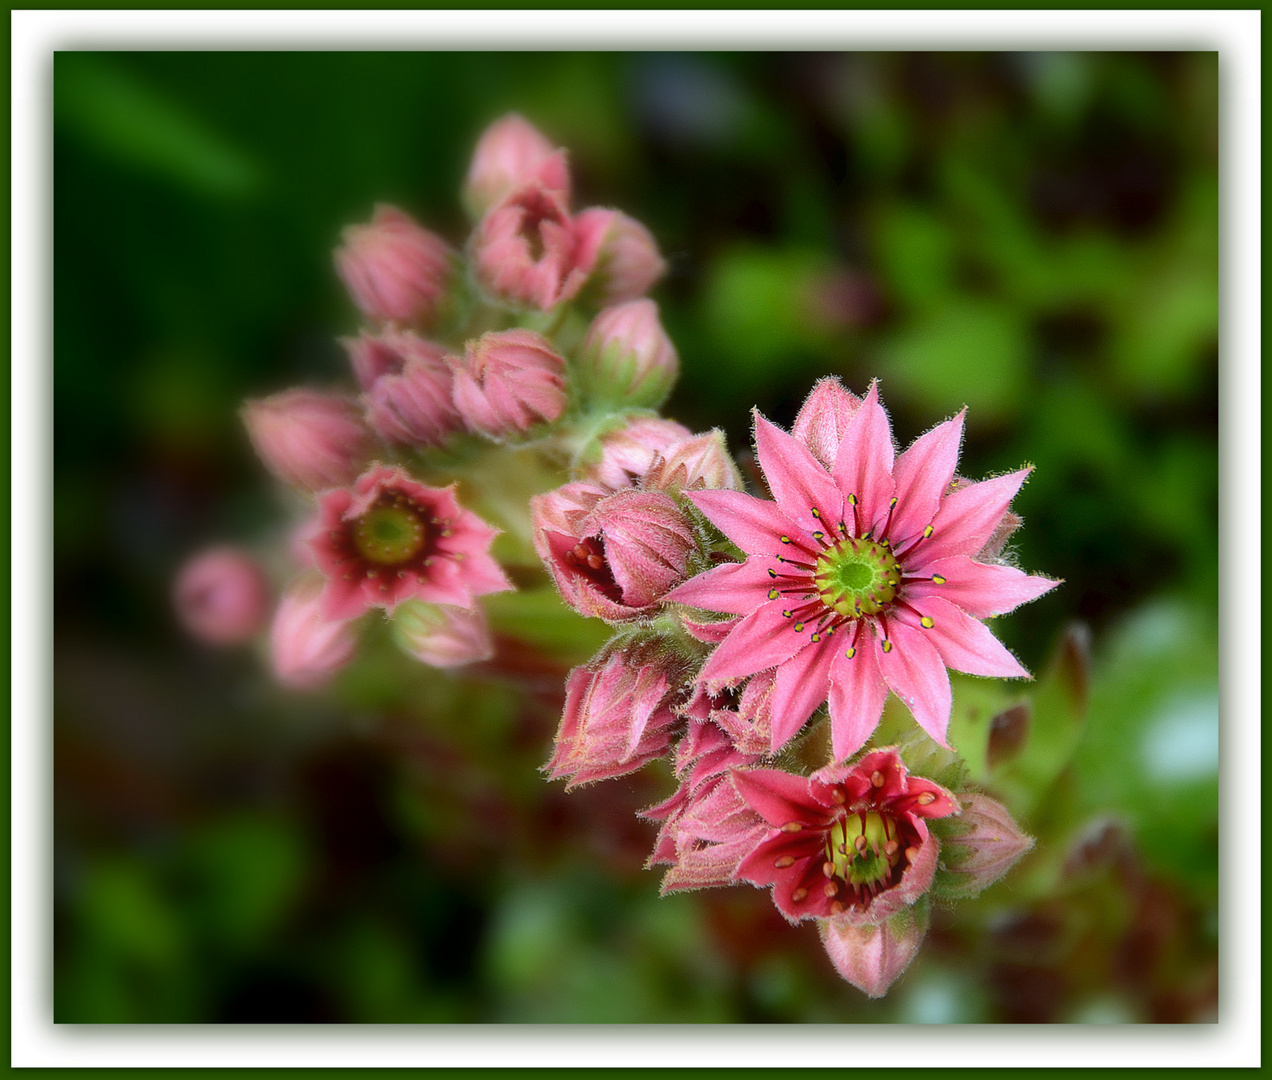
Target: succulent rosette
[{"x": 861, "y": 578}]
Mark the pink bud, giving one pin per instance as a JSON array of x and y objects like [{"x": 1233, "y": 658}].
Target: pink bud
[
  {"x": 409, "y": 387},
  {"x": 221, "y": 596},
  {"x": 627, "y": 454},
  {"x": 306, "y": 647},
  {"x": 627, "y": 357},
  {"x": 395, "y": 270},
  {"x": 872, "y": 958},
  {"x": 309, "y": 439},
  {"x": 511, "y": 153},
  {"x": 692, "y": 464},
  {"x": 985, "y": 842},
  {"x": 627, "y": 259},
  {"x": 618, "y": 559},
  {"x": 618, "y": 713},
  {"x": 508, "y": 382},
  {"x": 526, "y": 250},
  {"x": 442, "y": 636},
  {"x": 824, "y": 418}
]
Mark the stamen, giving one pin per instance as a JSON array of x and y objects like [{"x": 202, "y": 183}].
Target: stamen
[
  {"x": 792, "y": 826},
  {"x": 799, "y": 895},
  {"x": 784, "y": 862}
]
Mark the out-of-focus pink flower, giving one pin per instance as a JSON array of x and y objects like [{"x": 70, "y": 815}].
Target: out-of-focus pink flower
[
  {"x": 508, "y": 382},
  {"x": 982, "y": 846},
  {"x": 395, "y": 270},
  {"x": 306, "y": 647},
  {"x": 846, "y": 842},
  {"x": 861, "y": 578},
  {"x": 309, "y": 439},
  {"x": 221, "y": 596},
  {"x": 872, "y": 958},
  {"x": 613, "y": 556},
  {"x": 702, "y": 461},
  {"x": 392, "y": 538},
  {"x": 627, "y": 453},
  {"x": 409, "y": 387},
  {"x": 618, "y": 714},
  {"x": 527, "y": 250},
  {"x": 627, "y": 262},
  {"x": 627, "y": 357},
  {"x": 441, "y": 636},
  {"x": 823, "y": 419},
  {"x": 510, "y": 154}
]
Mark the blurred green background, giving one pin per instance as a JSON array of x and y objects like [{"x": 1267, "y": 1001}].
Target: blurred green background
[{"x": 1032, "y": 235}]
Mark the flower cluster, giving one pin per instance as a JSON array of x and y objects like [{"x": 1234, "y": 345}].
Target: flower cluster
[{"x": 756, "y": 636}]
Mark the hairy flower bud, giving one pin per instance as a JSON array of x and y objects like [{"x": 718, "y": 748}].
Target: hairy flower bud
[
  {"x": 627, "y": 357},
  {"x": 823, "y": 419},
  {"x": 442, "y": 636},
  {"x": 527, "y": 249},
  {"x": 306, "y": 647},
  {"x": 694, "y": 464},
  {"x": 626, "y": 454},
  {"x": 395, "y": 270},
  {"x": 872, "y": 958},
  {"x": 309, "y": 439},
  {"x": 221, "y": 596},
  {"x": 508, "y": 382},
  {"x": 627, "y": 262},
  {"x": 511, "y": 153},
  {"x": 613, "y": 556},
  {"x": 618, "y": 713},
  {"x": 409, "y": 387},
  {"x": 979, "y": 847}
]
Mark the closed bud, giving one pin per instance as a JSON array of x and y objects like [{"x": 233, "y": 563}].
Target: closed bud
[
  {"x": 309, "y": 439},
  {"x": 627, "y": 260},
  {"x": 625, "y": 455},
  {"x": 618, "y": 713},
  {"x": 409, "y": 387},
  {"x": 627, "y": 357},
  {"x": 395, "y": 270},
  {"x": 823, "y": 419},
  {"x": 980, "y": 846},
  {"x": 618, "y": 559},
  {"x": 306, "y": 647},
  {"x": 872, "y": 958},
  {"x": 510, "y": 153},
  {"x": 693, "y": 464},
  {"x": 221, "y": 596},
  {"x": 508, "y": 382},
  {"x": 442, "y": 636}
]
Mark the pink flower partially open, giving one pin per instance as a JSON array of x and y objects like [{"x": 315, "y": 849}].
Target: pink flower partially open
[
  {"x": 395, "y": 270},
  {"x": 409, "y": 387},
  {"x": 845, "y": 842},
  {"x": 528, "y": 250},
  {"x": 508, "y": 382},
  {"x": 861, "y": 578},
  {"x": 612, "y": 555},
  {"x": 627, "y": 453},
  {"x": 392, "y": 538}
]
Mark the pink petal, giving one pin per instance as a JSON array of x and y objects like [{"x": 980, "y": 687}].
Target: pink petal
[
  {"x": 762, "y": 640},
  {"x": 802, "y": 684},
  {"x": 964, "y": 643},
  {"x": 863, "y": 466},
  {"x": 967, "y": 519},
  {"x": 857, "y": 695},
  {"x": 734, "y": 588},
  {"x": 980, "y": 589},
  {"x": 780, "y": 797},
  {"x": 915, "y": 672},
  {"x": 799, "y": 482},
  {"x": 922, "y": 474},
  {"x": 755, "y": 525}
]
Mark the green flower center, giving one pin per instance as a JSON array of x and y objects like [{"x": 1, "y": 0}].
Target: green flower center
[
  {"x": 857, "y": 576},
  {"x": 861, "y": 849},
  {"x": 389, "y": 535}
]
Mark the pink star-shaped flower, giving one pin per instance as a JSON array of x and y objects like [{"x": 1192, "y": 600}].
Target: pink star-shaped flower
[{"x": 861, "y": 577}]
